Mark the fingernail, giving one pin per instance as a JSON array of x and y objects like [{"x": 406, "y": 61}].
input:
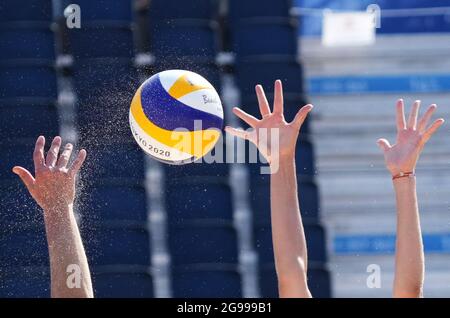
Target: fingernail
[{"x": 14, "y": 169}]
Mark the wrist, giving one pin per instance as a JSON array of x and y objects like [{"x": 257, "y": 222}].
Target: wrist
[
  {"x": 403, "y": 174},
  {"x": 58, "y": 211}
]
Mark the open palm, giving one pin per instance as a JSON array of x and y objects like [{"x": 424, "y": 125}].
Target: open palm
[
  {"x": 412, "y": 136},
  {"x": 273, "y": 136}
]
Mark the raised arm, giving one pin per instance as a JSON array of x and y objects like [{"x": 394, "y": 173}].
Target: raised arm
[
  {"x": 53, "y": 188},
  {"x": 401, "y": 160},
  {"x": 276, "y": 140}
]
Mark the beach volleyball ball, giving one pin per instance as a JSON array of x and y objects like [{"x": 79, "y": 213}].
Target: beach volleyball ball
[{"x": 176, "y": 116}]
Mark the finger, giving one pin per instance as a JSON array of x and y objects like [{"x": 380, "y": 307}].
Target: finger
[
  {"x": 249, "y": 119},
  {"x": 25, "y": 176},
  {"x": 264, "y": 107},
  {"x": 426, "y": 118},
  {"x": 433, "y": 128},
  {"x": 52, "y": 154},
  {"x": 412, "y": 120},
  {"x": 278, "y": 99},
  {"x": 65, "y": 156},
  {"x": 38, "y": 154},
  {"x": 78, "y": 162},
  {"x": 237, "y": 132},
  {"x": 401, "y": 123},
  {"x": 301, "y": 115},
  {"x": 383, "y": 144}
]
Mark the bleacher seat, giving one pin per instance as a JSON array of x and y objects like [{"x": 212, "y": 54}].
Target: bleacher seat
[
  {"x": 195, "y": 38},
  {"x": 104, "y": 89},
  {"x": 238, "y": 9},
  {"x": 25, "y": 282},
  {"x": 175, "y": 9},
  {"x": 24, "y": 245},
  {"x": 125, "y": 282},
  {"x": 93, "y": 78},
  {"x": 109, "y": 243},
  {"x": 315, "y": 240},
  {"x": 17, "y": 206},
  {"x": 249, "y": 37},
  {"x": 32, "y": 78},
  {"x": 202, "y": 169},
  {"x": 103, "y": 10},
  {"x": 34, "y": 10},
  {"x": 265, "y": 70},
  {"x": 114, "y": 160},
  {"x": 211, "y": 281},
  {"x": 101, "y": 39},
  {"x": 113, "y": 201},
  {"x": 26, "y": 40},
  {"x": 188, "y": 199},
  {"x": 260, "y": 198},
  {"x": 202, "y": 241},
  {"x": 40, "y": 119},
  {"x": 16, "y": 152}
]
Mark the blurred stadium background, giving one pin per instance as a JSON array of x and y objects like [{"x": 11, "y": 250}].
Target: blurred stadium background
[{"x": 203, "y": 230}]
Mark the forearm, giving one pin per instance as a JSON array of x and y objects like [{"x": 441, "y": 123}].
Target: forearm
[
  {"x": 287, "y": 232},
  {"x": 65, "y": 250},
  {"x": 409, "y": 259}
]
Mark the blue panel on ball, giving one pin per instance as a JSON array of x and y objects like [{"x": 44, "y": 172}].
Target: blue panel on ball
[{"x": 168, "y": 113}]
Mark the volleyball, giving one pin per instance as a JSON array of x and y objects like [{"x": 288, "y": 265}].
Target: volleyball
[{"x": 176, "y": 116}]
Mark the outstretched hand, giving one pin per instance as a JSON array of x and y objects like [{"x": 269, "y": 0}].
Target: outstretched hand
[
  {"x": 411, "y": 138},
  {"x": 53, "y": 185},
  {"x": 272, "y": 127}
]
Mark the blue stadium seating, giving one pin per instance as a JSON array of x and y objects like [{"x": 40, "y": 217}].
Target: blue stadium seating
[
  {"x": 315, "y": 240},
  {"x": 265, "y": 70},
  {"x": 109, "y": 243},
  {"x": 114, "y": 160},
  {"x": 212, "y": 281},
  {"x": 260, "y": 199},
  {"x": 175, "y": 9},
  {"x": 249, "y": 37},
  {"x": 114, "y": 201},
  {"x": 196, "y": 169},
  {"x": 25, "y": 120},
  {"x": 17, "y": 206},
  {"x": 318, "y": 281},
  {"x": 188, "y": 199},
  {"x": 97, "y": 81},
  {"x": 34, "y": 10},
  {"x": 25, "y": 282},
  {"x": 16, "y": 152},
  {"x": 196, "y": 38},
  {"x": 202, "y": 241},
  {"x": 98, "y": 40},
  {"x": 103, "y": 97},
  {"x": 24, "y": 245},
  {"x": 103, "y": 10},
  {"x": 122, "y": 283},
  {"x": 34, "y": 78},
  {"x": 26, "y": 40},
  {"x": 238, "y": 9}
]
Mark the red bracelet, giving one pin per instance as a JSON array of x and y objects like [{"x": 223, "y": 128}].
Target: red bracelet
[{"x": 404, "y": 175}]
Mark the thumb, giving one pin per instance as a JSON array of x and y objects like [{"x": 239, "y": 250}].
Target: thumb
[
  {"x": 383, "y": 144},
  {"x": 25, "y": 176},
  {"x": 301, "y": 115}
]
